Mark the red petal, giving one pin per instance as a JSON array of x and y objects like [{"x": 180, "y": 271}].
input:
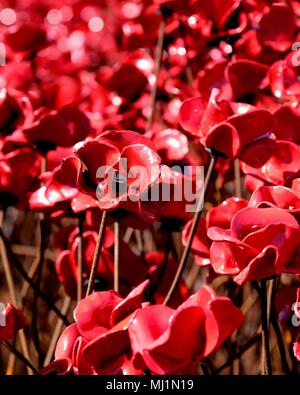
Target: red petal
[
  {"x": 147, "y": 325},
  {"x": 224, "y": 257},
  {"x": 262, "y": 266},
  {"x": 123, "y": 138},
  {"x": 201, "y": 243},
  {"x": 62, "y": 367},
  {"x": 288, "y": 124},
  {"x": 222, "y": 214},
  {"x": 251, "y": 219},
  {"x": 102, "y": 352},
  {"x": 66, "y": 270},
  {"x": 277, "y": 27},
  {"x": 253, "y": 125},
  {"x": 96, "y": 155},
  {"x": 245, "y": 77},
  {"x": 259, "y": 152},
  {"x": 132, "y": 302},
  {"x": 224, "y": 138},
  {"x": 11, "y": 320},
  {"x": 191, "y": 113},
  {"x": 279, "y": 196},
  {"x": 92, "y": 314},
  {"x": 65, "y": 344}
]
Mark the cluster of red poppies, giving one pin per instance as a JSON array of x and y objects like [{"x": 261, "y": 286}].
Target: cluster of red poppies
[{"x": 162, "y": 86}]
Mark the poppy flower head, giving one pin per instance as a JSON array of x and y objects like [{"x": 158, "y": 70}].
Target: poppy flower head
[
  {"x": 125, "y": 163},
  {"x": 251, "y": 249},
  {"x": 11, "y": 320}
]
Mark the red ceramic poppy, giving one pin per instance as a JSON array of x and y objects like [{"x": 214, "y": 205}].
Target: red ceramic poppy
[
  {"x": 98, "y": 342},
  {"x": 11, "y": 320},
  {"x": 19, "y": 172},
  {"x": 167, "y": 341},
  {"x": 116, "y": 159},
  {"x": 15, "y": 110},
  {"x": 232, "y": 129},
  {"x": 62, "y": 128},
  {"x": 282, "y": 167},
  {"x": 110, "y": 353},
  {"x": 261, "y": 243}
]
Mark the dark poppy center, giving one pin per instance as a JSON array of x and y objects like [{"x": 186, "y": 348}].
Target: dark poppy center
[{"x": 45, "y": 146}]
